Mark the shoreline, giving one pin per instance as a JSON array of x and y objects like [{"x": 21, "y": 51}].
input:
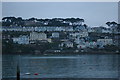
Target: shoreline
[
  {"x": 62, "y": 53},
  {"x": 61, "y": 79}
]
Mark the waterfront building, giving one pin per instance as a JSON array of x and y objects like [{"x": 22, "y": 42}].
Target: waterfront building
[
  {"x": 22, "y": 39},
  {"x": 55, "y": 35},
  {"x": 87, "y": 44},
  {"x": 92, "y": 44},
  {"x": 81, "y": 46},
  {"x": 67, "y": 44},
  {"x": 79, "y": 41},
  {"x": 103, "y": 42},
  {"x": 6, "y": 37}
]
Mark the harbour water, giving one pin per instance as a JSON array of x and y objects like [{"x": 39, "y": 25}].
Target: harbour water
[{"x": 72, "y": 66}]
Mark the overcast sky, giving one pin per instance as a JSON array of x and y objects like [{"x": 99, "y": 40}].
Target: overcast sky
[{"x": 94, "y": 13}]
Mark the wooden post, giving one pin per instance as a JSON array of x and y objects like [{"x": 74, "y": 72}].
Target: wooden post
[
  {"x": 18, "y": 72},
  {"x": 18, "y": 69}
]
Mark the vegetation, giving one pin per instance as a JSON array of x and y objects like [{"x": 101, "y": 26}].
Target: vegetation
[
  {"x": 13, "y": 48},
  {"x": 13, "y": 21}
]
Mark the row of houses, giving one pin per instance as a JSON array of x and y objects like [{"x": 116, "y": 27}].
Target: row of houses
[
  {"x": 57, "y": 28},
  {"x": 99, "y": 30},
  {"x": 78, "y": 39},
  {"x": 34, "y": 36},
  {"x": 38, "y": 29},
  {"x": 100, "y": 42},
  {"x": 44, "y": 36}
]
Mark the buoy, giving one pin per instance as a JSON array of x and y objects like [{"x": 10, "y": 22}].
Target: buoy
[
  {"x": 36, "y": 74},
  {"x": 90, "y": 68},
  {"x": 27, "y": 73},
  {"x": 84, "y": 63}
]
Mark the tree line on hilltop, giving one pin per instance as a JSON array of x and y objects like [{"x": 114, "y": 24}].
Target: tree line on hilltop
[{"x": 19, "y": 21}]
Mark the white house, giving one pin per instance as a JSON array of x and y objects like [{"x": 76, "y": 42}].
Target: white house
[
  {"x": 81, "y": 46},
  {"x": 67, "y": 22},
  {"x": 38, "y": 36},
  {"x": 55, "y": 35},
  {"x": 69, "y": 28},
  {"x": 103, "y": 42},
  {"x": 80, "y": 28},
  {"x": 92, "y": 44},
  {"x": 90, "y": 29},
  {"x": 22, "y": 39},
  {"x": 84, "y": 44},
  {"x": 77, "y": 23},
  {"x": 79, "y": 34},
  {"x": 66, "y": 44},
  {"x": 79, "y": 41},
  {"x": 107, "y": 30}
]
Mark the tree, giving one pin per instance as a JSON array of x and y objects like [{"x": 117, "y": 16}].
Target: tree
[
  {"x": 85, "y": 26},
  {"x": 118, "y": 28},
  {"x": 19, "y": 19},
  {"x": 108, "y": 23},
  {"x": 111, "y": 23},
  {"x": 114, "y": 23},
  {"x": 32, "y": 19},
  {"x": 81, "y": 20}
]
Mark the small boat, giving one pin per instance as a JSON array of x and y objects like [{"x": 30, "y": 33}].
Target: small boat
[
  {"x": 90, "y": 68},
  {"x": 27, "y": 73},
  {"x": 36, "y": 74},
  {"x": 84, "y": 63}
]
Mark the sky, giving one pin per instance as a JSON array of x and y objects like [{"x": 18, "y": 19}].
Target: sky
[{"x": 94, "y": 13}]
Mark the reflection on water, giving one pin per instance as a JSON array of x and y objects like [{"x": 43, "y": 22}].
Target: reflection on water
[{"x": 82, "y": 66}]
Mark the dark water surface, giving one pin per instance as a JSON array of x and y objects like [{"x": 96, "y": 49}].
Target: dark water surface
[{"x": 76, "y": 66}]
